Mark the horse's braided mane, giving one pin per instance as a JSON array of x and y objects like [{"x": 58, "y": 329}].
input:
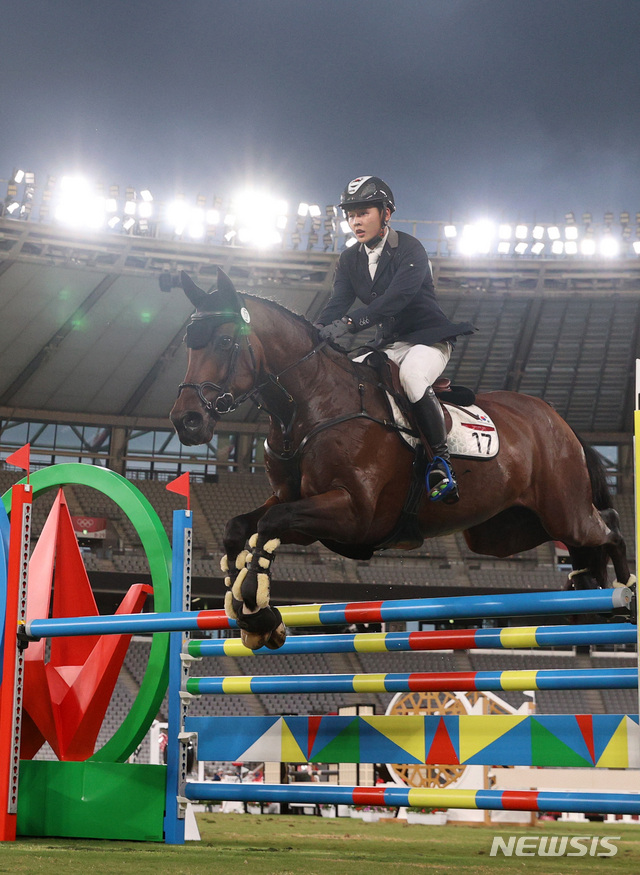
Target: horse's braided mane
[
  {"x": 302, "y": 320},
  {"x": 332, "y": 350}
]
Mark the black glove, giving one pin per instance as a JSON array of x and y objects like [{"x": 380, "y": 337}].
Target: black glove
[{"x": 338, "y": 328}]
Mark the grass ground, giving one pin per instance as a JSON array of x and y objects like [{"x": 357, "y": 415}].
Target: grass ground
[{"x": 304, "y": 845}]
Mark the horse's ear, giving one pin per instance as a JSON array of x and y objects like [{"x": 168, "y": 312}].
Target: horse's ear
[
  {"x": 198, "y": 297},
  {"x": 226, "y": 293}
]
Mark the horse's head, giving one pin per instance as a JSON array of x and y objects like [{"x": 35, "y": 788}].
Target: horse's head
[{"x": 222, "y": 363}]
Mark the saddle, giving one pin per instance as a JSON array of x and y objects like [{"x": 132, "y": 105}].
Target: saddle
[{"x": 388, "y": 374}]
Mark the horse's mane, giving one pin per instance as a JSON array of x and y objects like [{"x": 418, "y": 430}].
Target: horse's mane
[{"x": 311, "y": 330}]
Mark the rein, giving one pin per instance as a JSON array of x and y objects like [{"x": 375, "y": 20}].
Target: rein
[{"x": 225, "y": 401}]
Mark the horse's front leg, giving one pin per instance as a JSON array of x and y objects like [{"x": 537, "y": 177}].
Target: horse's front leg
[
  {"x": 239, "y": 529},
  {"x": 331, "y": 515},
  {"x": 233, "y": 563}
]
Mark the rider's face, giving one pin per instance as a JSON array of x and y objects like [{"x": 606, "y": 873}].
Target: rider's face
[{"x": 366, "y": 223}]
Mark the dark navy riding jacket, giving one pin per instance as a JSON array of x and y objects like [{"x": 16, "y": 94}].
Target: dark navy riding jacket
[{"x": 401, "y": 296}]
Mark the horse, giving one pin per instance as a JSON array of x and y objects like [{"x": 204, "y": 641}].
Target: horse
[{"x": 341, "y": 471}]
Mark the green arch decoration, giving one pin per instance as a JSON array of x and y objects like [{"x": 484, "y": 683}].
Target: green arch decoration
[{"x": 158, "y": 551}]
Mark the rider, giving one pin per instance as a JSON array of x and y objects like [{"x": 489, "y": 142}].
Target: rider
[{"x": 390, "y": 273}]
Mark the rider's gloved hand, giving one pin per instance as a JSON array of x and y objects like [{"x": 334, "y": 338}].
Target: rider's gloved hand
[{"x": 337, "y": 329}]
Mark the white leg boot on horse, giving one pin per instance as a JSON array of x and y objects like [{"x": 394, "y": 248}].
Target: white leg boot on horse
[
  {"x": 247, "y": 597},
  {"x": 441, "y": 480}
]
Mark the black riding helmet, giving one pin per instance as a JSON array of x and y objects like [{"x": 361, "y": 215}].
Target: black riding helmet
[{"x": 365, "y": 191}]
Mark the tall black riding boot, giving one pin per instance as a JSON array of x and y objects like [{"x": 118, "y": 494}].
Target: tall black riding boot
[{"x": 441, "y": 481}]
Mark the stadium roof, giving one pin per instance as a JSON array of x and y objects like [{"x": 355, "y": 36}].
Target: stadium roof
[{"x": 86, "y": 334}]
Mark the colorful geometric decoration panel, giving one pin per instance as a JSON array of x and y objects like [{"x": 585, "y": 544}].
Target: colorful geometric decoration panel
[{"x": 600, "y": 740}]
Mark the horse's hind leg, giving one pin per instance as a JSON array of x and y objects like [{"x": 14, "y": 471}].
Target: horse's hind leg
[
  {"x": 589, "y": 568},
  {"x": 617, "y": 549},
  {"x": 590, "y": 563}
]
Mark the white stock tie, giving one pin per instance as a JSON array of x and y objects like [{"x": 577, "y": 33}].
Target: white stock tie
[{"x": 374, "y": 255}]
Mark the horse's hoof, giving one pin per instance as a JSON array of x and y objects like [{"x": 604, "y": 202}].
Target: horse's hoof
[
  {"x": 631, "y": 582},
  {"x": 277, "y": 638},
  {"x": 255, "y": 640}
]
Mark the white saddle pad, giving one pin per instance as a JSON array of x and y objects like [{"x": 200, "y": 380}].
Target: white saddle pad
[{"x": 473, "y": 434}]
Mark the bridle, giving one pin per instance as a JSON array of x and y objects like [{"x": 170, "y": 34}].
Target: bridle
[{"x": 225, "y": 401}]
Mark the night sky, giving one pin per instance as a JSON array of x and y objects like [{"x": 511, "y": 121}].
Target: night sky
[{"x": 516, "y": 109}]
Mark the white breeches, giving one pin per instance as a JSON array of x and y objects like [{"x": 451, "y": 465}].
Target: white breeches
[{"x": 420, "y": 366}]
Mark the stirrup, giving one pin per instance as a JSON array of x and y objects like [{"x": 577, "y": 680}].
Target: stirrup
[{"x": 446, "y": 488}]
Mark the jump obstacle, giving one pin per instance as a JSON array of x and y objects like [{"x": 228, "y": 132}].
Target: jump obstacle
[{"x": 600, "y": 740}]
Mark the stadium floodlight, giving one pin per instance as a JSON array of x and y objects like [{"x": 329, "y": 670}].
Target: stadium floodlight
[
  {"x": 571, "y": 247},
  {"x": 636, "y": 247},
  {"x": 128, "y": 224},
  {"x": 12, "y": 208},
  {"x": 196, "y": 229},
  {"x": 196, "y": 223},
  {"x": 467, "y": 244},
  {"x": 113, "y": 222},
  {"x": 303, "y": 209},
  {"x": 266, "y": 237},
  {"x": 314, "y": 211},
  {"x": 557, "y": 247},
  {"x": 177, "y": 216},
  {"x": 521, "y": 247},
  {"x": 450, "y": 231},
  {"x": 282, "y": 222},
  {"x": 477, "y": 238},
  {"x": 504, "y": 232},
  {"x": 484, "y": 232},
  {"x": 228, "y": 237},
  {"x": 588, "y": 246},
  {"x": 212, "y": 217},
  {"x": 537, "y": 248},
  {"x": 145, "y": 209},
  {"x": 130, "y": 208},
  {"x": 554, "y": 232},
  {"x": 17, "y": 176},
  {"x": 111, "y": 205},
  {"x": 538, "y": 232},
  {"x": 344, "y": 227},
  {"x": 609, "y": 246},
  {"x": 78, "y": 206},
  {"x": 229, "y": 220},
  {"x": 571, "y": 232},
  {"x": 522, "y": 232},
  {"x": 504, "y": 247},
  {"x": 146, "y": 195},
  {"x": 258, "y": 215}
]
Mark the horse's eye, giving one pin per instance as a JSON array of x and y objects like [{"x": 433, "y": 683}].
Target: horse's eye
[{"x": 223, "y": 343}]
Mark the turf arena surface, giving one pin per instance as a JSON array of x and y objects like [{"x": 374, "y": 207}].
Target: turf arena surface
[{"x": 305, "y": 845}]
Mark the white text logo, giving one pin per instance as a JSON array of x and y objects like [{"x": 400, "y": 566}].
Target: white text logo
[{"x": 554, "y": 846}]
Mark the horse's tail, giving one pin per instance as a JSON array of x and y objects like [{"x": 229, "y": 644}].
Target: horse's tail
[{"x": 598, "y": 476}]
